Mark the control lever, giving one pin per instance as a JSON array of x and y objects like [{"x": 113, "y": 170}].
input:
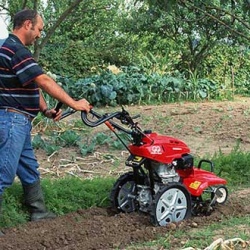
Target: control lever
[{"x": 57, "y": 108}]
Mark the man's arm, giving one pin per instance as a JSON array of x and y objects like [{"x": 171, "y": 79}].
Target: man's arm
[
  {"x": 48, "y": 85},
  {"x": 49, "y": 113},
  {"x": 43, "y": 105}
]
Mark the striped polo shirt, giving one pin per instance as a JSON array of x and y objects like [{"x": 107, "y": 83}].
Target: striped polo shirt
[{"x": 18, "y": 69}]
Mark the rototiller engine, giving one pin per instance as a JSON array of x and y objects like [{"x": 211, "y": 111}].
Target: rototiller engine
[{"x": 163, "y": 181}]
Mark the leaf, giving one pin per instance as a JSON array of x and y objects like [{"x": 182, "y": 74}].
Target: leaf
[
  {"x": 50, "y": 149},
  {"x": 105, "y": 90},
  {"x": 112, "y": 95},
  {"x": 202, "y": 93},
  {"x": 69, "y": 138},
  {"x": 38, "y": 142}
]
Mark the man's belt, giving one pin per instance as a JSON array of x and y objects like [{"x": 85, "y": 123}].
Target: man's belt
[{"x": 18, "y": 112}]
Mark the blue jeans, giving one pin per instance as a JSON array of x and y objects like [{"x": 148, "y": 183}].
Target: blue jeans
[{"x": 16, "y": 152}]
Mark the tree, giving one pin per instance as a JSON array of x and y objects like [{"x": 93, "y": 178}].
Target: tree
[
  {"x": 55, "y": 12},
  {"x": 198, "y": 27}
]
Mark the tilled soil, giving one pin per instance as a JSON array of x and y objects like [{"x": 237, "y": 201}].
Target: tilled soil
[
  {"x": 207, "y": 127},
  {"x": 96, "y": 229}
]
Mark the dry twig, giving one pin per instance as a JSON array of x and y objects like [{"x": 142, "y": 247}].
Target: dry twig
[{"x": 229, "y": 244}]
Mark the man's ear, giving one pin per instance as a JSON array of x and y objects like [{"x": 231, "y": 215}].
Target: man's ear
[{"x": 27, "y": 24}]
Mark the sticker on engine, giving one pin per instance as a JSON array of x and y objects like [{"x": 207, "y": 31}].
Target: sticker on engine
[
  {"x": 195, "y": 185},
  {"x": 156, "y": 150},
  {"x": 137, "y": 158}
]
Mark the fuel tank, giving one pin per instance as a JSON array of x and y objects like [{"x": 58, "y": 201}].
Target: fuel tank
[{"x": 160, "y": 148}]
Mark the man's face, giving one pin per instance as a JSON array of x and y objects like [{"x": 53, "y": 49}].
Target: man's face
[{"x": 33, "y": 31}]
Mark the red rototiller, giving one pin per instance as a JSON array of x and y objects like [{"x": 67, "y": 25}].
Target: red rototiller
[{"x": 163, "y": 181}]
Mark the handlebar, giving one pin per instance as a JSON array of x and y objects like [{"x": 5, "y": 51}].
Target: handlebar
[
  {"x": 101, "y": 118},
  {"x": 123, "y": 116}
]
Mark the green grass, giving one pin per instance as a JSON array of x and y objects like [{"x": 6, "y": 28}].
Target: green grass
[{"x": 62, "y": 196}]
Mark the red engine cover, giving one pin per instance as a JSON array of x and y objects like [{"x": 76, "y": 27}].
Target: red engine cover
[
  {"x": 197, "y": 180},
  {"x": 160, "y": 148}
]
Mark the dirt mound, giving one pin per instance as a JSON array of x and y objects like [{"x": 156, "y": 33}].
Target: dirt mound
[{"x": 96, "y": 228}]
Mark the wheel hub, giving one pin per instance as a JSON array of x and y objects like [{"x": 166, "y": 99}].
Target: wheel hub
[{"x": 172, "y": 204}]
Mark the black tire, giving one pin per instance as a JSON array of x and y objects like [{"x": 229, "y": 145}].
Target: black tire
[
  {"x": 172, "y": 203},
  {"x": 123, "y": 193}
]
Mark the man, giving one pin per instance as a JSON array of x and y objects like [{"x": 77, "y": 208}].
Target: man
[{"x": 21, "y": 83}]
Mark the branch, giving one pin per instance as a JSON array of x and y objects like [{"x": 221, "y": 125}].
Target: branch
[
  {"x": 63, "y": 16},
  {"x": 24, "y": 4},
  {"x": 56, "y": 24},
  {"x": 214, "y": 18},
  {"x": 2, "y": 7},
  {"x": 231, "y": 15}
]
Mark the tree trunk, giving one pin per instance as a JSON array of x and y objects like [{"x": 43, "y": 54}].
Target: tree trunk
[{"x": 39, "y": 46}]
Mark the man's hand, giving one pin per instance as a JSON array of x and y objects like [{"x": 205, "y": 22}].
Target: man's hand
[
  {"x": 82, "y": 105},
  {"x": 53, "y": 114}
]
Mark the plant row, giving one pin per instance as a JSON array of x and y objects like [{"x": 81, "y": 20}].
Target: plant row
[{"x": 133, "y": 86}]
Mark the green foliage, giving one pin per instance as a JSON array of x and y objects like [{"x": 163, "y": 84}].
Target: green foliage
[
  {"x": 70, "y": 194},
  {"x": 51, "y": 148},
  {"x": 12, "y": 211},
  {"x": 133, "y": 86},
  {"x": 234, "y": 167},
  {"x": 199, "y": 37},
  {"x": 87, "y": 147},
  {"x": 68, "y": 138},
  {"x": 72, "y": 59},
  {"x": 62, "y": 196},
  {"x": 52, "y": 141},
  {"x": 48, "y": 145},
  {"x": 38, "y": 142}
]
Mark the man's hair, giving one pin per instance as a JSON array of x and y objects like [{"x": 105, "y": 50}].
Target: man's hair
[{"x": 24, "y": 15}]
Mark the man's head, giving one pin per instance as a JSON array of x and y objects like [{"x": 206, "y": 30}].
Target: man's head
[{"x": 27, "y": 25}]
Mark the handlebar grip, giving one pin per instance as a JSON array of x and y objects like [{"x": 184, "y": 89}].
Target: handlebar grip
[{"x": 57, "y": 108}]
